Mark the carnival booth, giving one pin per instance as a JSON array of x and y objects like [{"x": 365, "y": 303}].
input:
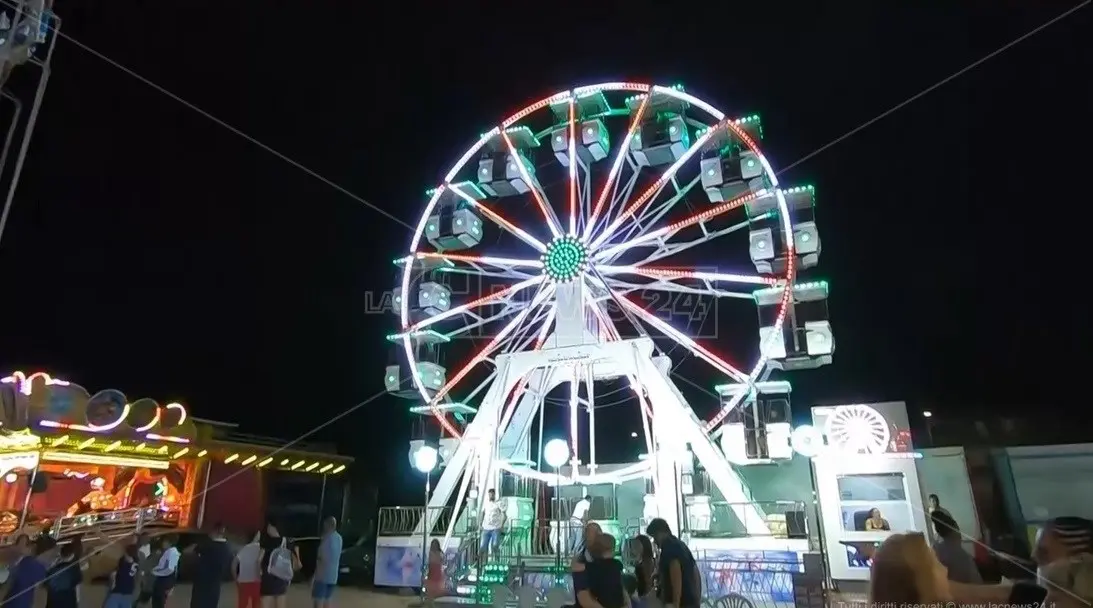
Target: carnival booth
[
  {"x": 99, "y": 465},
  {"x": 866, "y": 481}
]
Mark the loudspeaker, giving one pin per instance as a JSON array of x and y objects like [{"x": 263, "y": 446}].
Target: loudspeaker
[
  {"x": 40, "y": 484},
  {"x": 795, "y": 524}
]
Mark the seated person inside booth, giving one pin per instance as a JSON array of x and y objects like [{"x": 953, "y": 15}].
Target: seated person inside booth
[{"x": 876, "y": 522}]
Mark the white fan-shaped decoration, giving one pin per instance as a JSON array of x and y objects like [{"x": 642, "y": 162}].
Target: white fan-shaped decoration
[{"x": 857, "y": 429}]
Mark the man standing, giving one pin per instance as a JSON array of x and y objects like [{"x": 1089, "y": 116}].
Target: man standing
[
  {"x": 949, "y": 550},
  {"x": 578, "y": 519},
  {"x": 493, "y": 521},
  {"x": 165, "y": 572},
  {"x": 25, "y": 574},
  {"x": 144, "y": 547},
  {"x": 935, "y": 505},
  {"x": 680, "y": 580},
  {"x": 214, "y": 557},
  {"x": 327, "y": 565}
]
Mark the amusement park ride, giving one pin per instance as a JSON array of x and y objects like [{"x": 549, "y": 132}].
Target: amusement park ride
[
  {"x": 102, "y": 466},
  {"x": 28, "y": 33},
  {"x": 564, "y": 213}
]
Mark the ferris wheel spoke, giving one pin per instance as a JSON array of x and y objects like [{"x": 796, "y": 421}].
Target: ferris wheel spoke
[
  {"x": 664, "y": 278},
  {"x": 487, "y": 350},
  {"x": 683, "y": 340},
  {"x": 544, "y": 330},
  {"x": 496, "y": 218},
  {"x": 668, "y": 286},
  {"x": 666, "y": 247},
  {"x": 503, "y": 295},
  {"x": 477, "y": 321},
  {"x": 519, "y": 340},
  {"x": 652, "y": 214},
  {"x": 657, "y": 237},
  {"x": 485, "y": 265},
  {"x": 616, "y": 167},
  {"x": 652, "y": 190},
  {"x": 540, "y": 199}
]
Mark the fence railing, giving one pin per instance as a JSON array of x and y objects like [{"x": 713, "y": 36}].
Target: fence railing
[
  {"x": 720, "y": 519},
  {"x": 112, "y": 524},
  {"x": 404, "y": 521}
]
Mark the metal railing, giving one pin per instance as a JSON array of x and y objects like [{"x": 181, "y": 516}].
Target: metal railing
[
  {"x": 722, "y": 519},
  {"x": 404, "y": 521},
  {"x": 113, "y": 524},
  {"x": 728, "y": 582}
]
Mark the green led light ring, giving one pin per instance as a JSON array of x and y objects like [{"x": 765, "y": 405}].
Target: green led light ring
[{"x": 565, "y": 259}]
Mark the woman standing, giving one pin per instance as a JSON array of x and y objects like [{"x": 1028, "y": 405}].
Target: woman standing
[
  {"x": 279, "y": 561},
  {"x": 644, "y": 567},
  {"x": 905, "y": 572}
]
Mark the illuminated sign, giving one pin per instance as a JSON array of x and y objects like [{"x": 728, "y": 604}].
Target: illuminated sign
[{"x": 122, "y": 461}]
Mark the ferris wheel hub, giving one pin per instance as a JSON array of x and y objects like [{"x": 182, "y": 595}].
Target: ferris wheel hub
[{"x": 565, "y": 259}]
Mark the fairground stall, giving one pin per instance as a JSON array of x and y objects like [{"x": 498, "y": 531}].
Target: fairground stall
[{"x": 102, "y": 465}]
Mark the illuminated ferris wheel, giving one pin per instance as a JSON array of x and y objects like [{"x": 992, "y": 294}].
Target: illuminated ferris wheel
[{"x": 599, "y": 194}]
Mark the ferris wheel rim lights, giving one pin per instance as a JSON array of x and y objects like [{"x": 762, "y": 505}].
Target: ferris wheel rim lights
[{"x": 603, "y": 239}]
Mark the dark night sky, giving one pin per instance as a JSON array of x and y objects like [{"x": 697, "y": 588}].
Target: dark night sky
[{"x": 155, "y": 251}]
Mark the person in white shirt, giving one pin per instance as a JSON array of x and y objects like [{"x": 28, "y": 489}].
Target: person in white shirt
[
  {"x": 493, "y": 522},
  {"x": 144, "y": 547},
  {"x": 248, "y": 574},
  {"x": 577, "y": 521},
  {"x": 165, "y": 573}
]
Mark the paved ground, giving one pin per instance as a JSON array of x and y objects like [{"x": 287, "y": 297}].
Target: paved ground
[{"x": 92, "y": 596}]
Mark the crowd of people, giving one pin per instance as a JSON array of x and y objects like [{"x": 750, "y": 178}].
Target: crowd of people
[
  {"x": 908, "y": 570},
  {"x": 146, "y": 572},
  {"x": 669, "y": 578}
]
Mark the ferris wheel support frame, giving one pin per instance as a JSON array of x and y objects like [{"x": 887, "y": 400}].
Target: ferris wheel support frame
[
  {"x": 675, "y": 426},
  {"x": 44, "y": 66}
]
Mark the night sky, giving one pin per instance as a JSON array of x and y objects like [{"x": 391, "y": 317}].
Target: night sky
[{"x": 154, "y": 250}]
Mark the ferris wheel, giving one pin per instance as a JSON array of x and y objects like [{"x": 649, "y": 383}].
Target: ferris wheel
[{"x": 588, "y": 199}]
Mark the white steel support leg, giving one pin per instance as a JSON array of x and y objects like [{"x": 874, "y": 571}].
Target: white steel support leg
[
  {"x": 671, "y": 409},
  {"x": 670, "y": 445},
  {"x": 515, "y": 443},
  {"x": 574, "y": 406},
  {"x": 475, "y": 447},
  {"x": 591, "y": 402}
]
